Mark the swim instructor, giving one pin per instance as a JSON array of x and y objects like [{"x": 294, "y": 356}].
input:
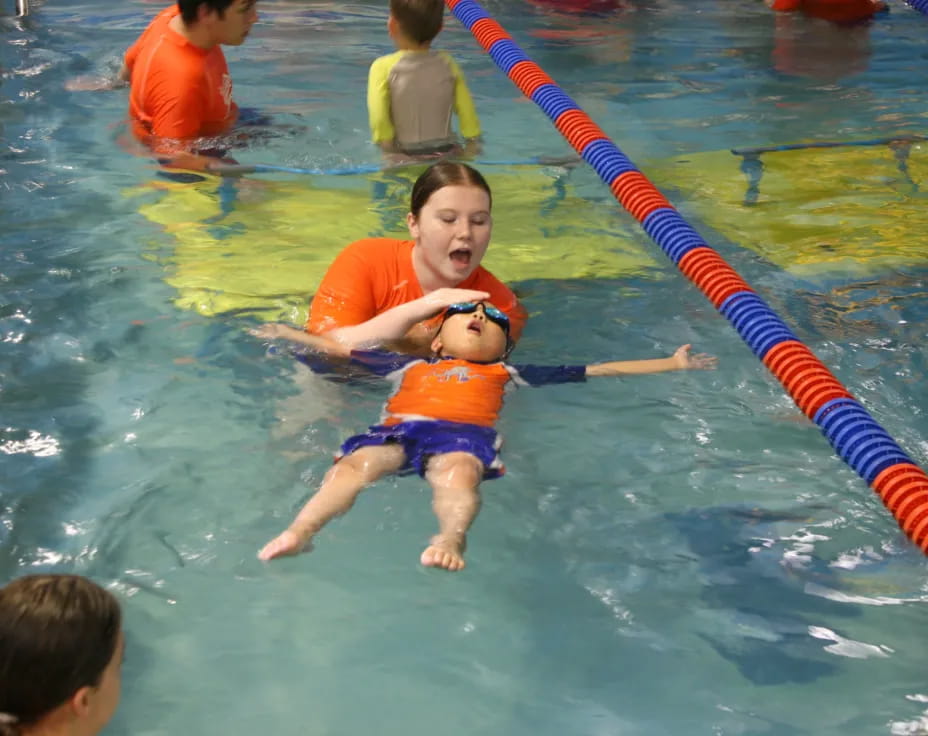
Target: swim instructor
[
  {"x": 180, "y": 84},
  {"x": 377, "y": 284}
]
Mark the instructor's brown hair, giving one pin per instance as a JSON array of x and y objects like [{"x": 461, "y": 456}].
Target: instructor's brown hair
[{"x": 441, "y": 175}]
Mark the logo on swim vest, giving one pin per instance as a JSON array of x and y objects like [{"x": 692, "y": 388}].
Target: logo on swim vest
[
  {"x": 461, "y": 374},
  {"x": 225, "y": 89}
]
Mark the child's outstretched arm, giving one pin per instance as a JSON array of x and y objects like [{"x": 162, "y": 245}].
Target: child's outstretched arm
[
  {"x": 274, "y": 330},
  {"x": 681, "y": 360}
]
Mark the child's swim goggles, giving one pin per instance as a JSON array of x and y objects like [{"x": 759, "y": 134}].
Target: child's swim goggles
[{"x": 493, "y": 314}]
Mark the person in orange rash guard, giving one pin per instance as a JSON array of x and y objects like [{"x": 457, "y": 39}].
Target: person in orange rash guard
[
  {"x": 837, "y": 11},
  {"x": 180, "y": 84},
  {"x": 375, "y": 286}
]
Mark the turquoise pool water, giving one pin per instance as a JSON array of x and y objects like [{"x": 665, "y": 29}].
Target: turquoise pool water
[{"x": 675, "y": 554}]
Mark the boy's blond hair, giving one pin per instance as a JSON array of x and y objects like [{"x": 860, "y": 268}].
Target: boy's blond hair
[{"x": 419, "y": 20}]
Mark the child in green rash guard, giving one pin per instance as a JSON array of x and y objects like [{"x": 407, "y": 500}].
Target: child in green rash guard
[
  {"x": 412, "y": 92},
  {"x": 439, "y": 421}
]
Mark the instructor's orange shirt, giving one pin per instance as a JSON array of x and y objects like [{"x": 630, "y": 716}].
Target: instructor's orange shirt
[
  {"x": 373, "y": 275},
  {"x": 178, "y": 90}
]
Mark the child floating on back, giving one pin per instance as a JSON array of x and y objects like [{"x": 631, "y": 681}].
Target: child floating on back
[
  {"x": 439, "y": 422},
  {"x": 412, "y": 92}
]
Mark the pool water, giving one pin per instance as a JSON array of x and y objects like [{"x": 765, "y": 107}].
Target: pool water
[{"x": 679, "y": 553}]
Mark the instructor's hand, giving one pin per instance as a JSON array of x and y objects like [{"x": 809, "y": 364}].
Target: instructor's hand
[{"x": 443, "y": 298}]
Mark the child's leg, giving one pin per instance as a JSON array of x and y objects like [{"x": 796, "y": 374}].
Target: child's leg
[
  {"x": 455, "y": 479},
  {"x": 340, "y": 487}
]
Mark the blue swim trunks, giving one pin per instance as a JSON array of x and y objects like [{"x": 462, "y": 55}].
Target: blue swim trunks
[{"x": 422, "y": 439}]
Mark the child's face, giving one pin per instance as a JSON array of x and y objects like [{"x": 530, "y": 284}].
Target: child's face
[
  {"x": 452, "y": 233},
  {"x": 231, "y": 27},
  {"x": 472, "y": 335}
]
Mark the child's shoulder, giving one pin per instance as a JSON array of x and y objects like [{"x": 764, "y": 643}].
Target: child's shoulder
[
  {"x": 386, "y": 61},
  {"x": 445, "y": 56}
]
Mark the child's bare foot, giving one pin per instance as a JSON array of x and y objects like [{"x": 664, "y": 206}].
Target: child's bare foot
[
  {"x": 444, "y": 552},
  {"x": 286, "y": 543}
]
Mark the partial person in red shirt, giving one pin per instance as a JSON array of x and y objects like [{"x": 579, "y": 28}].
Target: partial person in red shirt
[
  {"x": 181, "y": 90},
  {"x": 822, "y": 39},
  {"x": 837, "y": 11}
]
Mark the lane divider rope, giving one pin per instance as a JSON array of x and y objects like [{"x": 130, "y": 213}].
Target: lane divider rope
[{"x": 856, "y": 437}]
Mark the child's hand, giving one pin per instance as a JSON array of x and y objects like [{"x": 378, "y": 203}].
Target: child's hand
[
  {"x": 472, "y": 147},
  {"x": 698, "y": 362},
  {"x": 445, "y": 297},
  {"x": 271, "y": 331},
  {"x": 288, "y": 542}
]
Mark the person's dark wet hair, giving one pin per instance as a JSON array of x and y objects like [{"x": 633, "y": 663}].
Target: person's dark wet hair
[
  {"x": 58, "y": 633},
  {"x": 441, "y": 175},
  {"x": 189, "y": 8}
]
